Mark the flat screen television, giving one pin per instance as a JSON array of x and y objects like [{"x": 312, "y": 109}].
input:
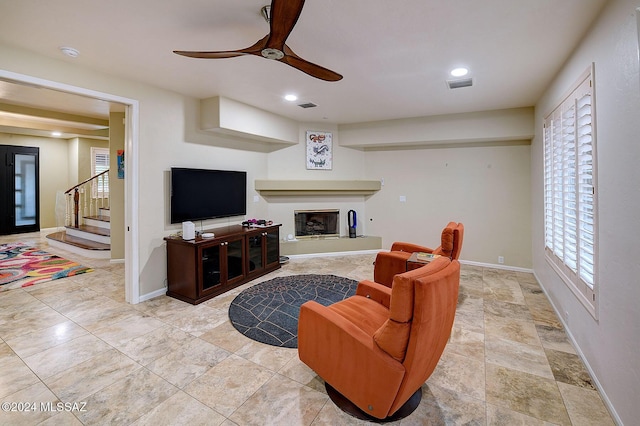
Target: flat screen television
[{"x": 199, "y": 194}]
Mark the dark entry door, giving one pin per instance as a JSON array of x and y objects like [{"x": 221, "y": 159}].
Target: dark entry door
[{"x": 20, "y": 189}]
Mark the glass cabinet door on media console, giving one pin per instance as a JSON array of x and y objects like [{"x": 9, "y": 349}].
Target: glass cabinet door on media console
[
  {"x": 221, "y": 264},
  {"x": 200, "y": 269},
  {"x": 264, "y": 250}
]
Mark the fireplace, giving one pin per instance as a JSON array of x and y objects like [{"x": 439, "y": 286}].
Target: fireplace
[{"x": 317, "y": 223}]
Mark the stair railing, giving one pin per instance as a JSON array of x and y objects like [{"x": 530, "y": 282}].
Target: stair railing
[{"x": 86, "y": 198}]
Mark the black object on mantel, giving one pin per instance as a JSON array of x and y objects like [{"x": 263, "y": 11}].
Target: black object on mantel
[{"x": 353, "y": 223}]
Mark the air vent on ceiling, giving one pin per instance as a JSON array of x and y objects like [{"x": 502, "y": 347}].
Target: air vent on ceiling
[
  {"x": 456, "y": 84},
  {"x": 308, "y": 105}
]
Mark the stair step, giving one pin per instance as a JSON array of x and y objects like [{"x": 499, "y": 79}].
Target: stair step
[
  {"x": 101, "y": 218},
  {"x": 99, "y": 221},
  {"x": 78, "y": 242},
  {"x": 105, "y": 232}
]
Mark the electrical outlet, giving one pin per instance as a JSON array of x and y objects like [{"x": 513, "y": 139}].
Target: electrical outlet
[
  {"x": 403, "y": 198},
  {"x": 501, "y": 259}
]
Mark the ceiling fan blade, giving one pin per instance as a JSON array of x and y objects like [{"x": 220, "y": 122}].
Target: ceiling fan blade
[
  {"x": 254, "y": 49},
  {"x": 284, "y": 15},
  {"x": 209, "y": 55},
  {"x": 307, "y": 67}
]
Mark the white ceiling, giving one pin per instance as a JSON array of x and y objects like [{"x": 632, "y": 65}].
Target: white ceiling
[
  {"x": 395, "y": 56},
  {"x": 33, "y": 110}
]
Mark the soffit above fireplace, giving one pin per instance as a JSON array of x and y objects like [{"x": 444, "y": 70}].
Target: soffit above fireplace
[{"x": 268, "y": 187}]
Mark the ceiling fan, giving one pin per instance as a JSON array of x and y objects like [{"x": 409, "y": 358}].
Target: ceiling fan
[{"x": 284, "y": 15}]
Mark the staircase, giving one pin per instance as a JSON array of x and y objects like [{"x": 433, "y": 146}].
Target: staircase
[{"x": 87, "y": 220}]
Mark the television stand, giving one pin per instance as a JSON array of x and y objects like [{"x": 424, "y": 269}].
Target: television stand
[{"x": 200, "y": 269}]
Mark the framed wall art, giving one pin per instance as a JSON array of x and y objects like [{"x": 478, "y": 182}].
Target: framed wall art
[
  {"x": 120, "y": 162},
  {"x": 319, "y": 150}
]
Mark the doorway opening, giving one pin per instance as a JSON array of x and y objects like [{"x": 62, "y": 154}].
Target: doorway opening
[{"x": 131, "y": 257}]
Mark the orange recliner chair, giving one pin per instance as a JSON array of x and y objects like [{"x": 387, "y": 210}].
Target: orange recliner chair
[
  {"x": 394, "y": 262},
  {"x": 377, "y": 348}
]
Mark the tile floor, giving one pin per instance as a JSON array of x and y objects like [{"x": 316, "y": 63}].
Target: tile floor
[{"x": 165, "y": 362}]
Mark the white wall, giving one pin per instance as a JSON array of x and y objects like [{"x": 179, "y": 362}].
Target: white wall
[
  {"x": 513, "y": 124},
  {"x": 83, "y": 155},
  {"x": 610, "y": 345},
  {"x": 485, "y": 188},
  {"x": 117, "y": 189},
  {"x": 73, "y": 162},
  {"x": 169, "y": 136}
]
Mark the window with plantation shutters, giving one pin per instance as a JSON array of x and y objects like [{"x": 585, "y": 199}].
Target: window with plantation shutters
[
  {"x": 99, "y": 164},
  {"x": 569, "y": 190}
]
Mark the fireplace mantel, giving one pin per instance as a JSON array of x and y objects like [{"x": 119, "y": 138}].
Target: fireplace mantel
[{"x": 269, "y": 187}]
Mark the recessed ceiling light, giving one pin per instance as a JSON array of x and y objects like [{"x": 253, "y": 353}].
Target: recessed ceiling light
[
  {"x": 291, "y": 97},
  {"x": 70, "y": 51},
  {"x": 56, "y": 134},
  {"x": 459, "y": 72}
]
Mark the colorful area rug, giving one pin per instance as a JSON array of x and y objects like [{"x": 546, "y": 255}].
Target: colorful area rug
[
  {"x": 22, "y": 265},
  {"x": 268, "y": 311}
]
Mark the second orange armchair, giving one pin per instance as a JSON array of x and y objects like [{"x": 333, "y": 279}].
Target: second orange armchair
[{"x": 394, "y": 262}]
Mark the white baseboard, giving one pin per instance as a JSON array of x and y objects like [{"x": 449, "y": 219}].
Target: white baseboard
[
  {"x": 464, "y": 262},
  {"x": 496, "y": 266},
  {"x": 153, "y": 294},
  {"x": 333, "y": 254}
]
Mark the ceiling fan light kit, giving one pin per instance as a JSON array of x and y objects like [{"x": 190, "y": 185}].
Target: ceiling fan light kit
[
  {"x": 271, "y": 53},
  {"x": 282, "y": 16},
  {"x": 266, "y": 13}
]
